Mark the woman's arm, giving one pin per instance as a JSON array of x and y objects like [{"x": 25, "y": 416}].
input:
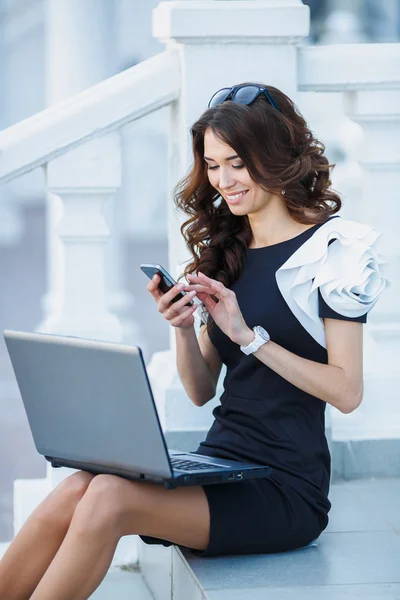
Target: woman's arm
[
  {"x": 340, "y": 382},
  {"x": 198, "y": 363}
]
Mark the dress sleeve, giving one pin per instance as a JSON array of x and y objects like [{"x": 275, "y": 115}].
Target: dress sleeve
[
  {"x": 350, "y": 280},
  {"x": 338, "y": 272},
  {"x": 326, "y": 312}
]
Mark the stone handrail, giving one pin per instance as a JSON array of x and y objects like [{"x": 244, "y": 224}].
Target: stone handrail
[
  {"x": 349, "y": 67},
  {"x": 155, "y": 83},
  {"x": 97, "y": 111}
]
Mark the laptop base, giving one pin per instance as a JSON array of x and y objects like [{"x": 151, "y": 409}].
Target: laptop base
[{"x": 181, "y": 479}]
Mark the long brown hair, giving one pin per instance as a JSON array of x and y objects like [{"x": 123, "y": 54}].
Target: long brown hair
[{"x": 279, "y": 152}]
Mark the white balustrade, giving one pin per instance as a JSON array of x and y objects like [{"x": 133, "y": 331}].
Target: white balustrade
[
  {"x": 93, "y": 113},
  {"x": 369, "y": 75},
  {"x": 83, "y": 174},
  {"x": 378, "y": 112},
  {"x": 75, "y": 139},
  {"x": 348, "y": 67}
]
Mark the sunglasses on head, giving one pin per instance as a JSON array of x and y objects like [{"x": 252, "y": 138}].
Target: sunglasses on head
[{"x": 242, "y": 94}]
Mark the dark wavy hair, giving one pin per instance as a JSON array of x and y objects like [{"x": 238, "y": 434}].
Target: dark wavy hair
[{"x": 280, "y": 152}]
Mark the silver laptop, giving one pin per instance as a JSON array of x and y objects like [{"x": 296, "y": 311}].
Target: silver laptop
[{"x": 90, "y": 406}]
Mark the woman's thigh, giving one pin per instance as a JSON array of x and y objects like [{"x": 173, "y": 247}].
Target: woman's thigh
[{"x": 180, "y": 516}]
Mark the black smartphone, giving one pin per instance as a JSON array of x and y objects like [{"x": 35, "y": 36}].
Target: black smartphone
[{"x": 166, "y": 281}]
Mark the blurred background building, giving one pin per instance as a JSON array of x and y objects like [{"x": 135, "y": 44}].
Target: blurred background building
[{"x": 122, "y": 29}]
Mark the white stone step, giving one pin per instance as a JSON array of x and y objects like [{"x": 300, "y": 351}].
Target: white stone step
[
  {"x": 168, "y": 574},
  {"x": 122, "y": 585},
  {"x": 156, "y": 566}
]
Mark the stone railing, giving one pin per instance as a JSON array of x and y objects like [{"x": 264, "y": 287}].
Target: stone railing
[
  {"x": 78, "y": 143},
  {"x": 209, "y": 44},
  {"x": 369, "y": 77}
]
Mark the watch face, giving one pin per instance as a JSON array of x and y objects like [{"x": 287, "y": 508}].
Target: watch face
[{"x": 261, "y": 331}]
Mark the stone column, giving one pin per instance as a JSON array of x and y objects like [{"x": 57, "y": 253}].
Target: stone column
[
  {"x": 80, "y": 53},
  {"x": 83, "y": 181},
  {"x": 220, "y": 43}
]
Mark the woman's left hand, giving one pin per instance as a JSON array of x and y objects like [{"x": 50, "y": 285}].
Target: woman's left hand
[{"x": 226, "y": 312}]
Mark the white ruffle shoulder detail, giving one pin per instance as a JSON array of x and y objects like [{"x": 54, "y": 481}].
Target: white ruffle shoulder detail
[{"x": 349, "y": 273}]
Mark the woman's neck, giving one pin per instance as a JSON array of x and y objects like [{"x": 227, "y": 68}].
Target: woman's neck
[{"x": 273, "y": 226}]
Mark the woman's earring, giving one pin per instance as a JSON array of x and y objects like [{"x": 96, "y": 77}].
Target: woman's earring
[{"x": 283, "y": 192}]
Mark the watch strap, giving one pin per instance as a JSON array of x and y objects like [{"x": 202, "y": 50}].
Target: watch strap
[{"x": 258, "y": 341}]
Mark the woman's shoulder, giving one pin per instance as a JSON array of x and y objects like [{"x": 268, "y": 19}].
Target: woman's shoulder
[
  {"x": 335, "y": 239},
  {"x": 341, "y": 260},
  {"x": 348, "y": 233}
]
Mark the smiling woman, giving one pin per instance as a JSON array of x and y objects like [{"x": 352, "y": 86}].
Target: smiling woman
[{"x": 285, "y": 286}]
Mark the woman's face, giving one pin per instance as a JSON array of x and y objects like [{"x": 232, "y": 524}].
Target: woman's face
[{"x": 228, "y": 175}]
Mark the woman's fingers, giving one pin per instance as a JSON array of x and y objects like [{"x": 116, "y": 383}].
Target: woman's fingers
[
  {"x": 201, "y": 296},
  {"x": 176, "y": 319},
  {"x": 206, "y": 284},
  {"x": 153, "y": 288},
  {"x": 178, "y": 313},
  {"x": 153, "y": 283},
  {"x": 198, "y": 287},
  {"x": 215, "y": 287},
  {"x": 166, "y": 299},
  {"x": 179, "y": 305},
  {"x": 163, "y": 299},
  {"x": 208, "y": 302}
]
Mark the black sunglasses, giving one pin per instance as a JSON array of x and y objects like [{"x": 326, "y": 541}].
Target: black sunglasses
[{"x": 242, "y": 94}]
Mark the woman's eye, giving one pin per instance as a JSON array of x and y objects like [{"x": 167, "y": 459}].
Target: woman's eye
[{"x": 212, "y": 168}]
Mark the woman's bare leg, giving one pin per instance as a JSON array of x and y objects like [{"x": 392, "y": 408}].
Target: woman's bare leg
[
  {"x": 111, "y": 508},
  {"x": 36, "y": 544}
]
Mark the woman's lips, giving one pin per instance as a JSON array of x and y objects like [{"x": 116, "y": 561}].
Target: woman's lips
[{"x": 235, "y": 198}]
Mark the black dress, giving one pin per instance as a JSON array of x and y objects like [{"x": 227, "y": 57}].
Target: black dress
[{"x": 265, "y": 419}]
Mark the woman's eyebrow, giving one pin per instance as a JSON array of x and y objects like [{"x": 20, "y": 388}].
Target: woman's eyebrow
[{"x": 229, "y": 158}]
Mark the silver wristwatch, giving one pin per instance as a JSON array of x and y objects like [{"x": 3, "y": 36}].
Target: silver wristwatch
[{"x": 261, "y": 338}]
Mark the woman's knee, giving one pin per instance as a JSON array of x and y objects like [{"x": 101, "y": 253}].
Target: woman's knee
[
  {"x": 102, "y": 507},
  {"x": 58, "y": 507}
]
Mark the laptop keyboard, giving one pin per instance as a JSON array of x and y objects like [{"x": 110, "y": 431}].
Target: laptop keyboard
[{"x": 190, "y": 465}]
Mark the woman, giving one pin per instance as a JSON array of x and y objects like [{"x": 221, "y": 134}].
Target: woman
[{"x": 285, "y": 286}]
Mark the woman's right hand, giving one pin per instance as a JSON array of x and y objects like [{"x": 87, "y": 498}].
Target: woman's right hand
[{"x": 178, "y": 314}]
